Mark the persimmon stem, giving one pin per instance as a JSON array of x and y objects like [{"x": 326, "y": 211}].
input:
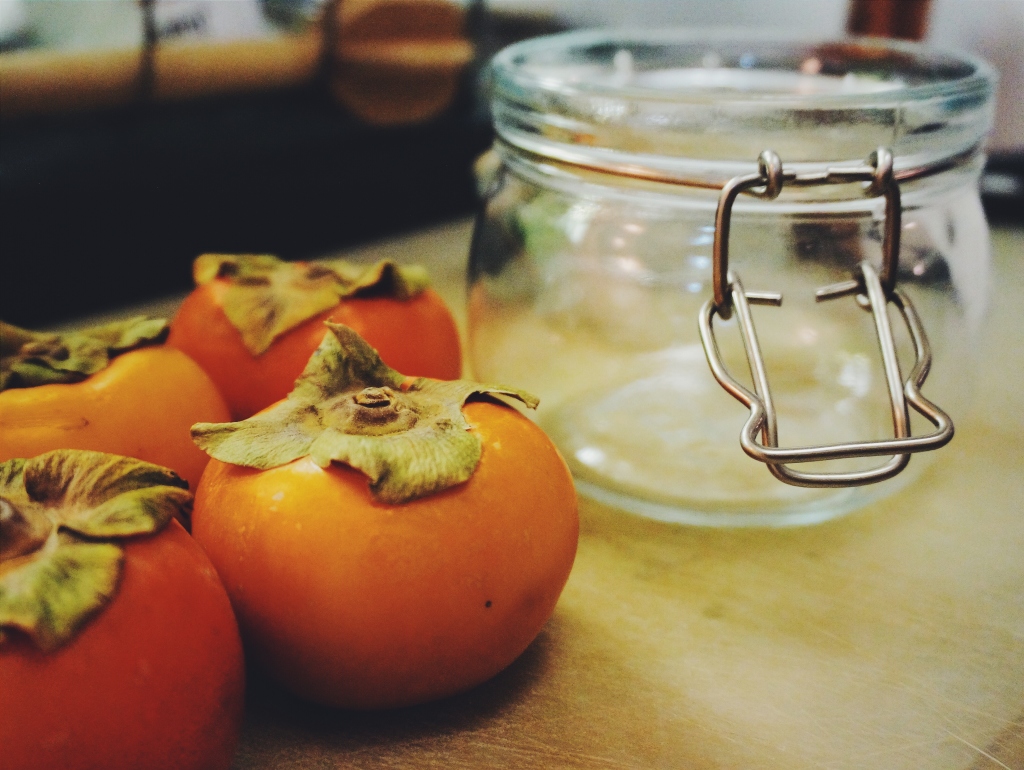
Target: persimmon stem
[
  {"x": 267, "y": 297},
  {"x": 29, "y": 358},
  {"x": 410, "y": 438},
  {"x": 63, "y": 515},
  {"x": 375, "y": 398}
]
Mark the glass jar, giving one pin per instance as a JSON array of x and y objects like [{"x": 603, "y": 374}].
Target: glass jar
[{"x": 592, "y": 256}]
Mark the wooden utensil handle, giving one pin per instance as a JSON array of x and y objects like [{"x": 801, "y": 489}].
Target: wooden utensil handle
[{"x": 33, "y": 82}]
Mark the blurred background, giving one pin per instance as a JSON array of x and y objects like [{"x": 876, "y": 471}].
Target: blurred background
[{"x": 137, "y": 134}]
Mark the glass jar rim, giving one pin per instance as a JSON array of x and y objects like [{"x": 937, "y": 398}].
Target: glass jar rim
[
  {"x": 940, "y": 72},
  {"x": 707, "y": 103}
]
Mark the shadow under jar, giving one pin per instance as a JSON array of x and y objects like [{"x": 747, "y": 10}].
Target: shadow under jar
[{"x": 592, "y": 256}]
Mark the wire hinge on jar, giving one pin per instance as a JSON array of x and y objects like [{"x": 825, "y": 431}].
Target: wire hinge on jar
[{"x": 873, "y": 292}]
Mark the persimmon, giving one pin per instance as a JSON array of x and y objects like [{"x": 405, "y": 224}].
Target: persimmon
[
  {"x": 118, "y": 645},
  {"x": 384, "y": 540},
  {"x": 253, "y": 322},
  {"x": 112, "y": 388}
]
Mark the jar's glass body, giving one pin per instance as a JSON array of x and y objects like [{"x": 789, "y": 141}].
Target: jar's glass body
[{"x": 585, "y": 288}]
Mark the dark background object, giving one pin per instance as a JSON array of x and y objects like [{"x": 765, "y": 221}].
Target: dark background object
[
  {"x": 109, "y": 208},
  {"x": 106, "y": 209},
  {"x": 1002, "y": 188}
]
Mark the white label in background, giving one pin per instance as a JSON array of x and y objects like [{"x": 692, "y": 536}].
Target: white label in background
[
  {"x": 211, "y": 20},
  {"x": 93, "y": 25},
  {"x": 73, "y": 25},
  {"x": 13, "y": 20}
]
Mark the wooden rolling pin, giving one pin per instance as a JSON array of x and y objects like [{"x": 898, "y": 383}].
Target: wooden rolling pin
[
  {"x": 33, "y": 82},
  {"x": 390, "y": 62}
]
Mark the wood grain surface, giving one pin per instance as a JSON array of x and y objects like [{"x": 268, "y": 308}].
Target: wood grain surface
[{"x": 891, "y": 638}]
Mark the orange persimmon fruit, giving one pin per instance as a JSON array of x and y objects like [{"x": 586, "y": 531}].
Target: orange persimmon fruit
[
  {"x": 153, "y": 676},
  {"x": 141, "y": 405},
  {"x": 415, "y": 334},
  {"x": 354, "y": 591}
]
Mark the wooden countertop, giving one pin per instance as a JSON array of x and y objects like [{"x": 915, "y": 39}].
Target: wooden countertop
[{"x": 891, "y": 638}]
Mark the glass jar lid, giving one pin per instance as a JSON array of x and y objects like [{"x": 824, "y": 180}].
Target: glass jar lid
[{"x": 705, "y": 105}]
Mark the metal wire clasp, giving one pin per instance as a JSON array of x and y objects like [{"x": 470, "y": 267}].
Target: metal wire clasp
[{"x": 873, "y": 292}]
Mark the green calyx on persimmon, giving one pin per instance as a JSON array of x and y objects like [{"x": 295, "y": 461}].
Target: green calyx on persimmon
[
  {"x": 29, "y": 358},
  {"x": 268, "y": 296},
  {"x": 61, "y": 516},
  {"x": 408, "y": 436}
]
